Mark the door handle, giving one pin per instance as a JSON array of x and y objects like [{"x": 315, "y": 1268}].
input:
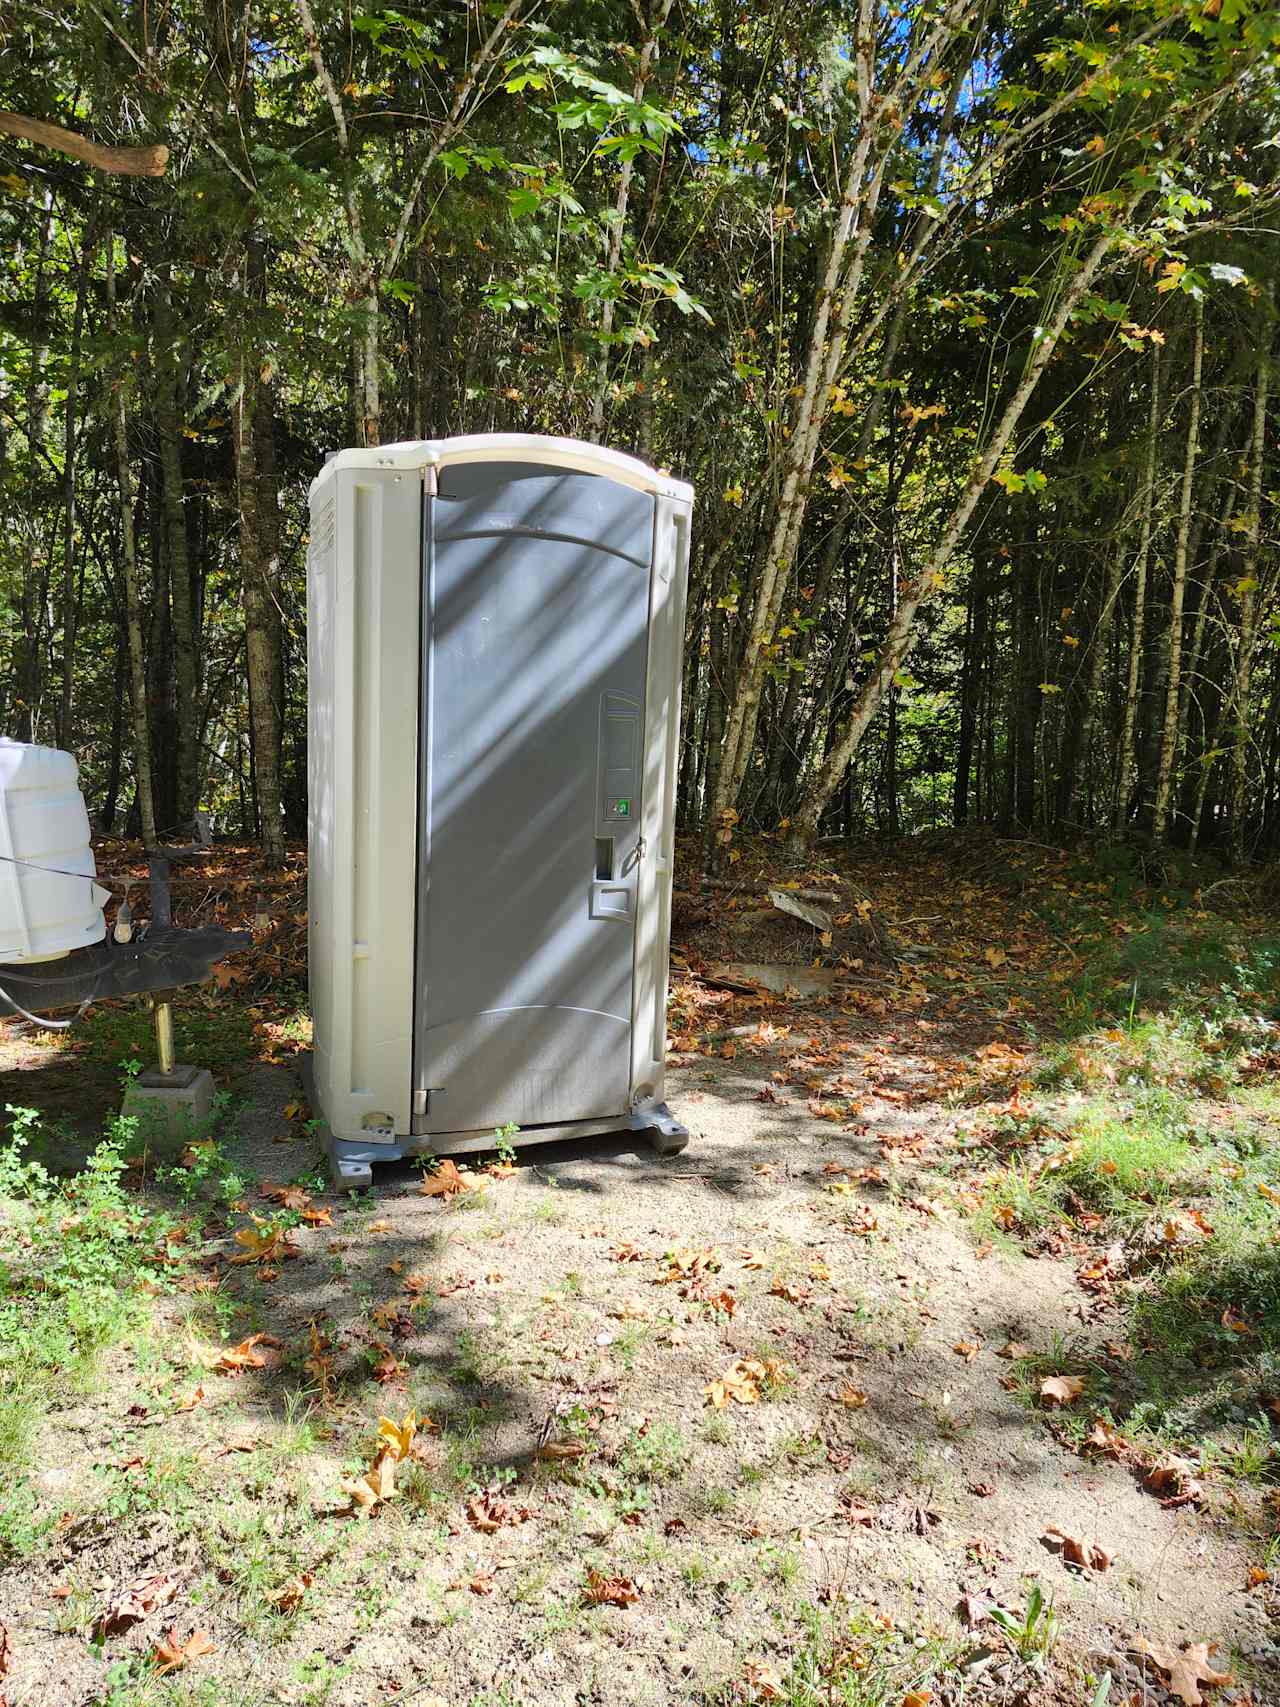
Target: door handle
[{"x": 610, "y": 899}]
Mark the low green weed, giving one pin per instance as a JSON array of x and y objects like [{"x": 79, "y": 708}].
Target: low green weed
[{"x": 77, "y": 1258}]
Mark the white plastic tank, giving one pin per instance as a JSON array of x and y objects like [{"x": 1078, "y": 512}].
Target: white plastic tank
[{"x": 49, "y": 903}]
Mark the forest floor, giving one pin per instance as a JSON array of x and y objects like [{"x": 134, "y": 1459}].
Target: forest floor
[{"x": 943, "y": 1366}]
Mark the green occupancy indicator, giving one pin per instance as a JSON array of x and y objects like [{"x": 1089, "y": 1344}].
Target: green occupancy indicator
[{"x": 622, "y": 809}]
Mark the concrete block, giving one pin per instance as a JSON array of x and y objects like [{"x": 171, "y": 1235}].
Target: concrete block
[{"x": 172, "y": 1105}]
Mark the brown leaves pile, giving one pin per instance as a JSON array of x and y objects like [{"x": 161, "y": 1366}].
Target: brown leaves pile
[
  {"x": 609, "y": 1591},
  {"x": 135, "y": 1603},
  {"x": 488, "y": 1511},
  {"x": 1187, "y": 1668},
  {"x": 742, "y": 1381}
]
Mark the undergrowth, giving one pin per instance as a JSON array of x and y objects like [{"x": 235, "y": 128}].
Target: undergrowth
[{"x": 79, "y": 1259}]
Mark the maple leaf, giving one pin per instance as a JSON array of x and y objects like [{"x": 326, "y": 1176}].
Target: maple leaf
[
  {"x": 261, "y": 1242},
  {"x": 1187, "y": 1668},
  {"x": 481, "y": 1583},
  {"x": 1085, "y": 1556},
  {"x": 562, "y": 1451},
  {"x": 234, "y": 1359},
  {"x": 139, "y": 1600},
  {"x": 445, "y": 1181},
  {"x": 1061, "y": 1389},
  {"x": 287, "y": 1196},
  {"x": 172, "y": 1655},
  {"x": 852, "y": 1398},
  {"x": 289, "y": 1596},
  {"x": 1104, "y": 1437},
  {"x": 376, "y": 1485},
  {"x": 488, "y": 1512},
  {"x": 609, "y": 1591},
  {"x": 1173, "y": 1480},
  {"x": 399, "y": 1437}
]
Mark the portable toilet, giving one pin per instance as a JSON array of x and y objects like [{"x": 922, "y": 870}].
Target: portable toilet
[{"x": 495, "y": 636}]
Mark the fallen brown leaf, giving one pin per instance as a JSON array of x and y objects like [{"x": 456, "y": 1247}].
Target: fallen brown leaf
[
  {"x": 1187, "y": 1668},
  {"x": 609, "y": 1591},
  {"x": 488, "y": 1512},
  {"x": 172, "y": 1655},
  {"x": 289, "y": 1596},
  {"x": 1061, "y": 1389},
  {"x": 445, "y": 1181},
  {"x": 138, "y": 1601},
  {"x": 1085, "y": 1555},
  {"x": 562, "y": 1451}
]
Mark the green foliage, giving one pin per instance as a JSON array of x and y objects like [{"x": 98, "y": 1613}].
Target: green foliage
[{"x": 78, "y": 1257}]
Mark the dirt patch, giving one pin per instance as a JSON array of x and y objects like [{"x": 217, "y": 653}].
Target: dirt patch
[{"x": 591, "y": 1297}]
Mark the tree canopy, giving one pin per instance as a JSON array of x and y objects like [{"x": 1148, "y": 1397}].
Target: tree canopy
[{"x": 959, "y": 315}]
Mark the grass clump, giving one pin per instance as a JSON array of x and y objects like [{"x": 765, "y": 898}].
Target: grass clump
[
  {"x": 77, "y": 1259},
  {"x": 834, "y": 1659}
]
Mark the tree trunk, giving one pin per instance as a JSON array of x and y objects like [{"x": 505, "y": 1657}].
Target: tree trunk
[
  {"x": 168, "y": 418},
  {"x": 257, "y": 567},
  {"x": 1247, "y": 589},
  {"x": 70, "y": 601},
  {"x": 1125, "y": 754},
  {"x": 902, "y": 632},
  {"x": 132, "y": 591},
  {"x": 617, "y": 230},
  {"x": 1169, "y": 738}
]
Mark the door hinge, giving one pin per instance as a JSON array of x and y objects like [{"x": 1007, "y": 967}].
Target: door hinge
[{"x": 422, "y": 1098}]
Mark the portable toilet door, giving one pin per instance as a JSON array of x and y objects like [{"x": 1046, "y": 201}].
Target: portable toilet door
[{"x": 536, "y": 784}]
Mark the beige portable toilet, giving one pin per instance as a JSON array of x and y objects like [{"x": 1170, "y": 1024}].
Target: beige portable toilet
[{"x": 495, "y": 637}]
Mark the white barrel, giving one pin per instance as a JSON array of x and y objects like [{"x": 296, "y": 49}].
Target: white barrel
[{"x": 49, "y": 903}]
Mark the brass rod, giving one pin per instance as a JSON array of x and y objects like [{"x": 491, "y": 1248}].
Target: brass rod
[{"x": 164, "y": 1035}]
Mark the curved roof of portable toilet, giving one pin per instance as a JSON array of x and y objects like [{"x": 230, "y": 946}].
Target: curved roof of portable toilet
[{"x": 414, "y": 454}]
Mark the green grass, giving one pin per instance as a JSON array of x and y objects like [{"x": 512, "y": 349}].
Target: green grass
[
  {"x": 78, "y": 1259},
  {"x": 835, "y": 1658},
  {"x": 216, "y": 1034},
  {"x": 1191, "y": 1215}
]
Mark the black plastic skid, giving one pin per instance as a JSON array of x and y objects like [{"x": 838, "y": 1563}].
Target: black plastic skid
[{"x": 162, "y": 959}]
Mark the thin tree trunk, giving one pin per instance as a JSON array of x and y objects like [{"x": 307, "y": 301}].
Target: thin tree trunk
[
  {"x": 617, "y": 230},
  {"x": 1247, "y": 587},
  {"x": 264, "y": 725},
  {"x": 70, "y": 602},
  {"x": 902, "y": 631},
  {"x": 168, "y": 419},
  {"x": 1125, "y": 755},
  {"x": 1169, "y": 739},
  {"x": 132, "y": 591}
]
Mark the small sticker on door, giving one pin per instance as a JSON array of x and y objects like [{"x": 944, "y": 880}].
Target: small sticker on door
[{"x": 620, "y": 807}]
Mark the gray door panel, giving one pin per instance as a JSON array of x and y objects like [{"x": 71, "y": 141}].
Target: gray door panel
[{"x": 534, "y": 633}]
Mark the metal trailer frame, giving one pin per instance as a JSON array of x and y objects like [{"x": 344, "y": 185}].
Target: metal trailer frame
[{"x": 364, "y": 647}]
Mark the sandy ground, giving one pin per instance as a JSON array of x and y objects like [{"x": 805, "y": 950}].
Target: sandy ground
[{"x": 885, "y": 1472}]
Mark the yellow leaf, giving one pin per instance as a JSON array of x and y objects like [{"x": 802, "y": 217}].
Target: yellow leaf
[{"x": 398, "y": 1436}]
